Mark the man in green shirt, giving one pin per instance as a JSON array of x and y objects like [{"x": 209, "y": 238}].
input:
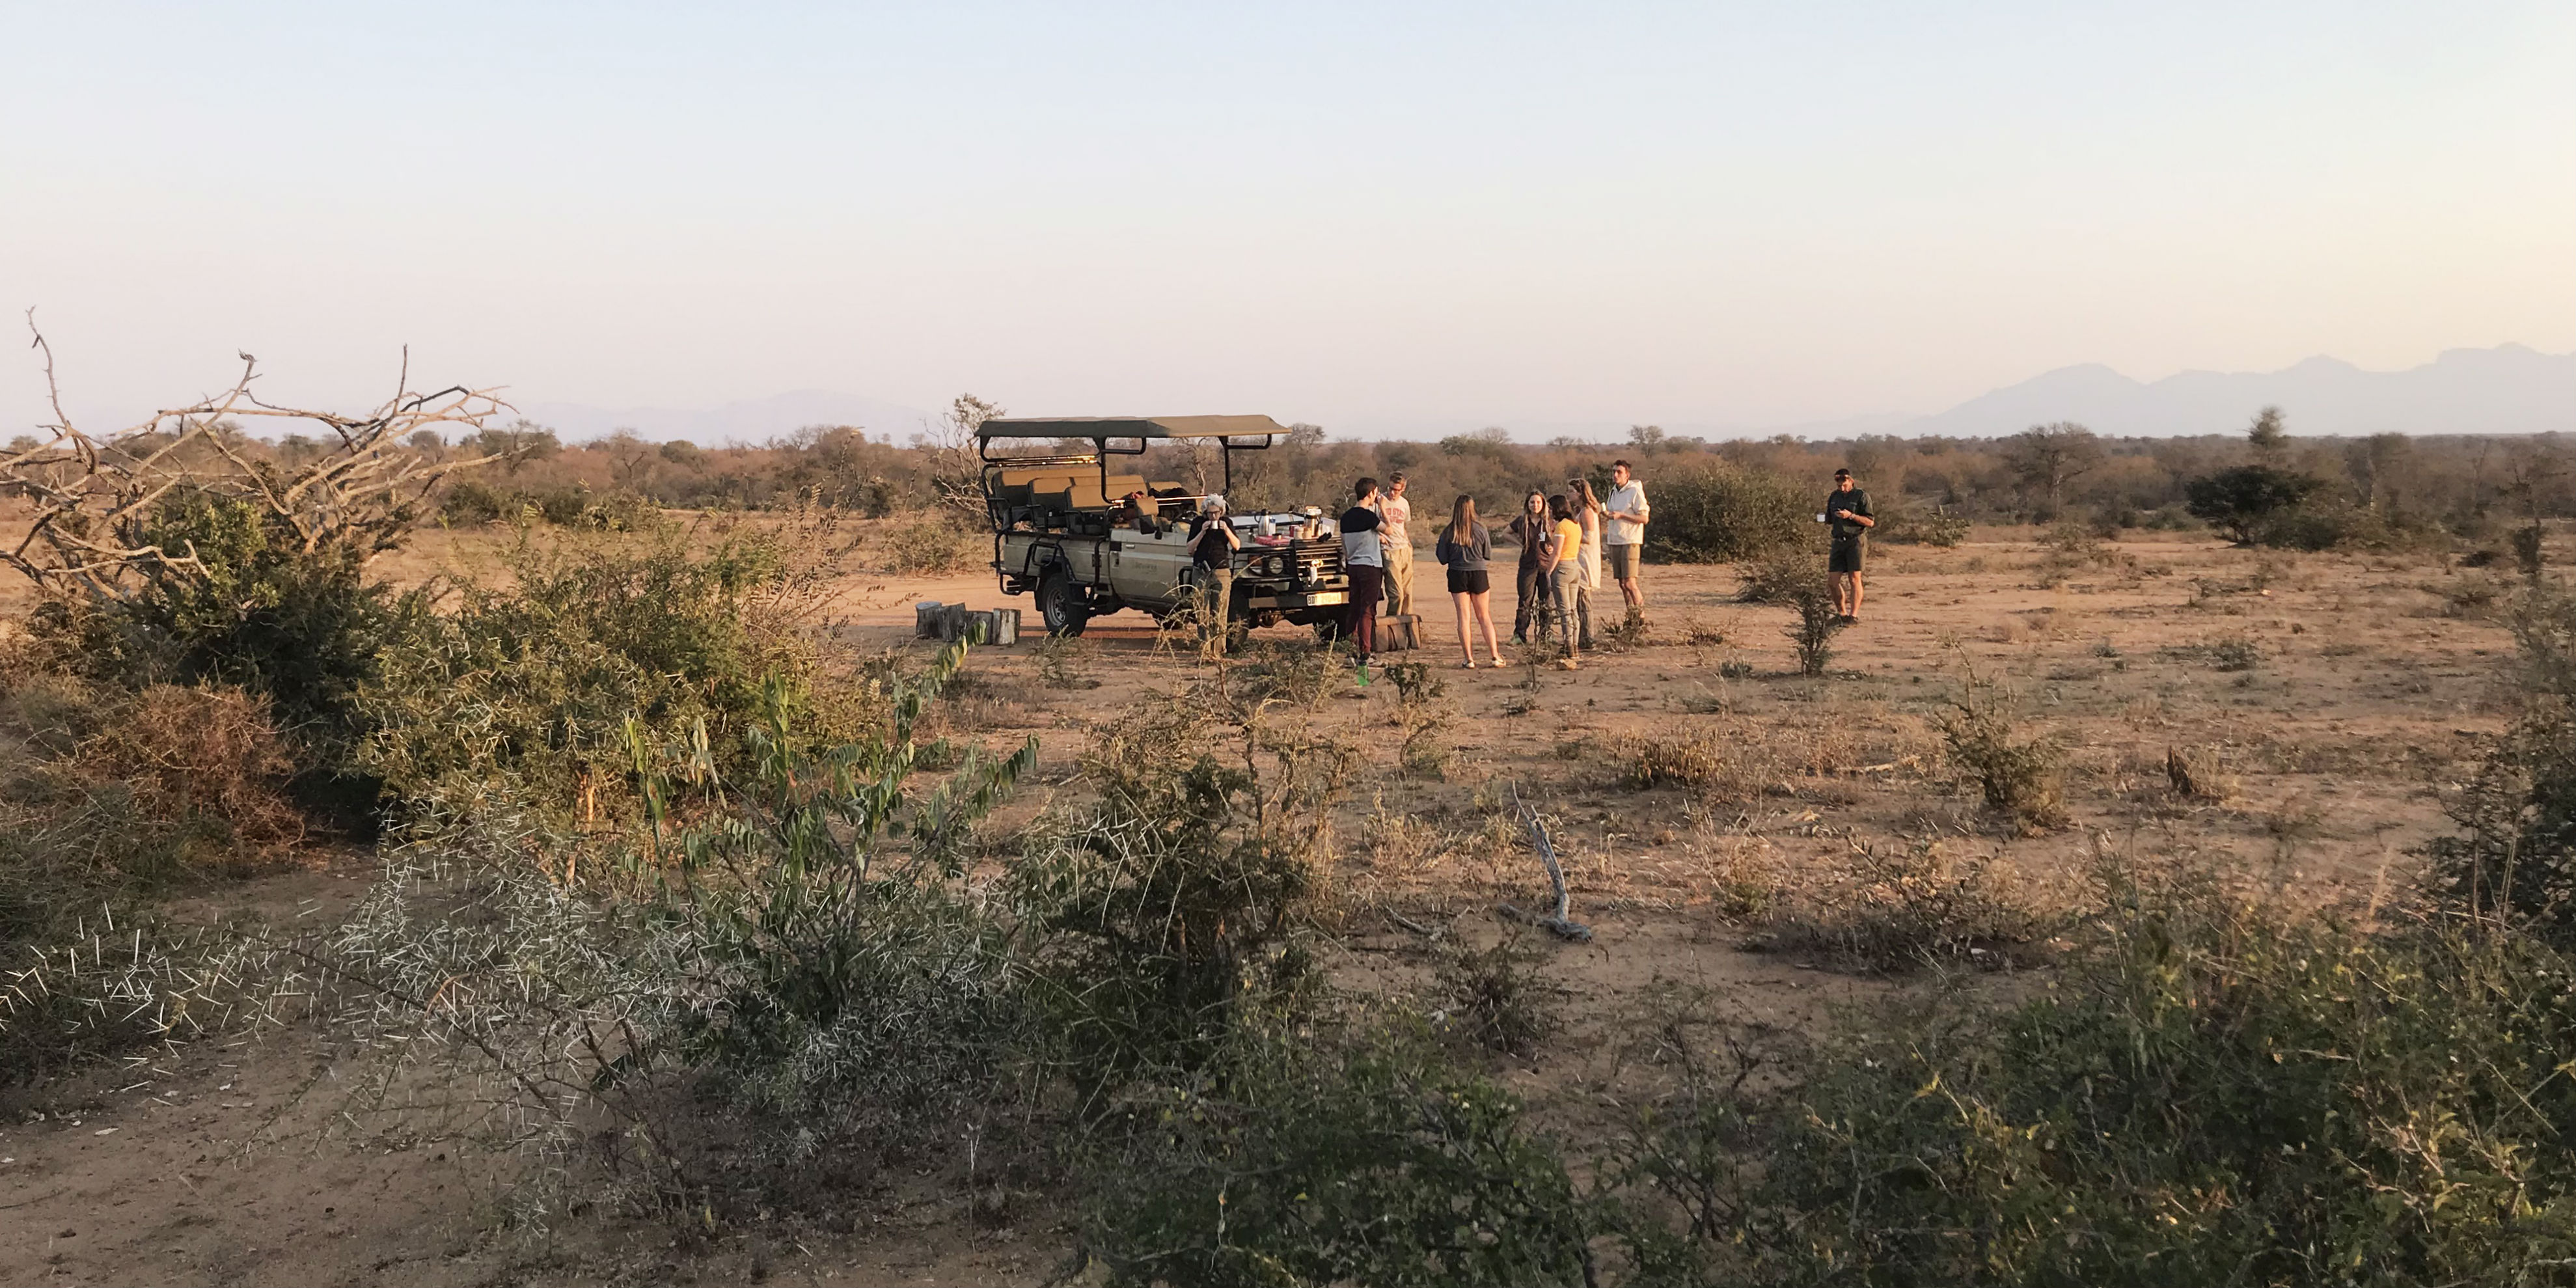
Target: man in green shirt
[{"x": 1847, "y": 510}]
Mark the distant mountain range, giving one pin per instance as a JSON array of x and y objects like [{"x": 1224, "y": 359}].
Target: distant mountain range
[
  {"x": 2509, "y": 389},
  {"x": 2505, "y": 390}
]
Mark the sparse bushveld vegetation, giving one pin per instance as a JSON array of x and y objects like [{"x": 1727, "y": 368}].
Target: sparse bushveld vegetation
[
  {"x": 1794, "y": 576},
  {"x": 2020, "y": 777},
  {"x": 659, "y": 868},
  {"x": 1696, "y": 758},
  {"x": 1903, "y": 905}
]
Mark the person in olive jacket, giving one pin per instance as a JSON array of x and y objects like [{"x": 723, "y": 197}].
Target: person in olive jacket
[{"x": 1847, "y": 510}]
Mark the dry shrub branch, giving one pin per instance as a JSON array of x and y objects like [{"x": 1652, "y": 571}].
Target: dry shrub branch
[{"x": 97, "y": 496}]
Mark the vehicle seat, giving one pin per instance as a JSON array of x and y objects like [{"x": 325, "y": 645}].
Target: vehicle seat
[{"x": 1089, "y": 493}]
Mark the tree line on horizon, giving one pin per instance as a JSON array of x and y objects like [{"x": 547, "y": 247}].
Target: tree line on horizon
[{"x": 1714, "y": 500}]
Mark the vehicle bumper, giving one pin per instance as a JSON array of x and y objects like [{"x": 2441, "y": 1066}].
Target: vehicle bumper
[{"x": 1289, "y": 601}]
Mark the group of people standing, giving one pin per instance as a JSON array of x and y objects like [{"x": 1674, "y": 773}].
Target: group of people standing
[{"x": 1566, "y": 540}]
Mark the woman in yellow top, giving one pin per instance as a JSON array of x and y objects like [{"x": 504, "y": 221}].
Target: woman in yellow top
[
  {"x": 1587, "y": 512},
  {"x": 1565, "y": 587}
]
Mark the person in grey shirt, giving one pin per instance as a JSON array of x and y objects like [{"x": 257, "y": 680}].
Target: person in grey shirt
[{"x": 1463, "y": 548}]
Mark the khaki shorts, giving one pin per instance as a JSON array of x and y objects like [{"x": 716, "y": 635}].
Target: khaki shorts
[{"x": 1620, "y": 562}]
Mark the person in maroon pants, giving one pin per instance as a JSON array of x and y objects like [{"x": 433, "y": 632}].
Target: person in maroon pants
[{"x": 1364, "y": 558}]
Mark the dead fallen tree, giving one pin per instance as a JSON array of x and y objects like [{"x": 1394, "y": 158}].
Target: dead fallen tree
[{"x": 95, "y": 495}]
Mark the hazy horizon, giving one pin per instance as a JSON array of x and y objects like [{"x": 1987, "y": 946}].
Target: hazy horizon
[{"x": 1369, "y": 217}]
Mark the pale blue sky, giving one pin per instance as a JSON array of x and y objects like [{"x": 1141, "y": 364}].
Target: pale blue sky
[{"x": 1384, "y": 218}]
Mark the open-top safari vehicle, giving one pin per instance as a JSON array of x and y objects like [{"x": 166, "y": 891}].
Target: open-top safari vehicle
[{"x": 1061, "y": 526}]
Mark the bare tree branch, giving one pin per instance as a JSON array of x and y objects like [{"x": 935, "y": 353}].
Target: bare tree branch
[{"x": 95, "y": 496}]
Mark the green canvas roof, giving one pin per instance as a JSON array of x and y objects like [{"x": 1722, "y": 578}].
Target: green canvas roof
[{"x": 1132, "y": 427}]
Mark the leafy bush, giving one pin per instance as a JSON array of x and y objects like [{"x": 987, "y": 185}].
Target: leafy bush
[
  {"x": 534, "y": 680},
  {"x": 472, "y": 503},
  {"x": 2515, "y": 858},
  {"x": 1374, "y": 1163},
  {"x": 761, "y": 957},
  {"x": 300, "y": 628},
  {"x": 2245, "y": 501},
  {"x": 1935, "y": 525},
  {"x": 1720, "y": 513},
  {"x": 1169, "y": 901},
  {"x": 2211, "y": 1096}
]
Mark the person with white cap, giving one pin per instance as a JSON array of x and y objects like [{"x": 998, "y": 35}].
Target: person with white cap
[{"x": 1213, "y": 542}]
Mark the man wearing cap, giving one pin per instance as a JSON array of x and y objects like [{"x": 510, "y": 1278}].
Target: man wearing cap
[
  {"x": 1847, "y": 511},
  {"x": 1212, "y": 546}
]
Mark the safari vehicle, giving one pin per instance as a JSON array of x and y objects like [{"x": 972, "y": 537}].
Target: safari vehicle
[{"x": 1061, "y": 529}]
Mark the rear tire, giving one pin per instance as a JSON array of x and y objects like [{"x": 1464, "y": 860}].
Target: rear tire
[{"x": 1062, "y": 605}]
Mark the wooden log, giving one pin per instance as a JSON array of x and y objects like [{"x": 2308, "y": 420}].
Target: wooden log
[{"x": 925, "y": 619}]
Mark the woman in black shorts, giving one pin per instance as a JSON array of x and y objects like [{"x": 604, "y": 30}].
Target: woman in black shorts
[{"x": 1463, "y": 548}]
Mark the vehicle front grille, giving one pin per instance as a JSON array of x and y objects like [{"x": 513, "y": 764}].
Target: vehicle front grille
[{"x": 1319, "y": 562}]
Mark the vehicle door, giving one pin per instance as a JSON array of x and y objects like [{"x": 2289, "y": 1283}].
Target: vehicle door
[{"x": 1147, "y": 572}]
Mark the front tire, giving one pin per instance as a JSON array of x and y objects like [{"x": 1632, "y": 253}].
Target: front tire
[{"x": 1062, "y": 605}]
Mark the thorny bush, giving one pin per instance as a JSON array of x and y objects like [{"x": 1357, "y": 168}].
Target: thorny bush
[
  {"x": 1792, "y": 574},
  {"x": 1171, "y": 899},
  {"x": 764, "y": 939},
  {"x": 2515, "y": 858}
]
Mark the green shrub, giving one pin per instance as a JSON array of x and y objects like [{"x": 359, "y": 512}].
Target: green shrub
[
  {"x": 300, "y": 628},
  {"x": 2211, "y": 1096},
  {"x": 1169, "y": 902},
  {"x": 2514, "y": 859},
  {"x": 472, "y": 503},
  {"x": 1912, "y": 524},
  {"x": 534, "y": 680},
  {"x": 2247, "y": 501},
  {"x": 1372, "y": 1164},
  {"x": 1719, "y": 513},
  {"x": 759, "y": 986}
]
